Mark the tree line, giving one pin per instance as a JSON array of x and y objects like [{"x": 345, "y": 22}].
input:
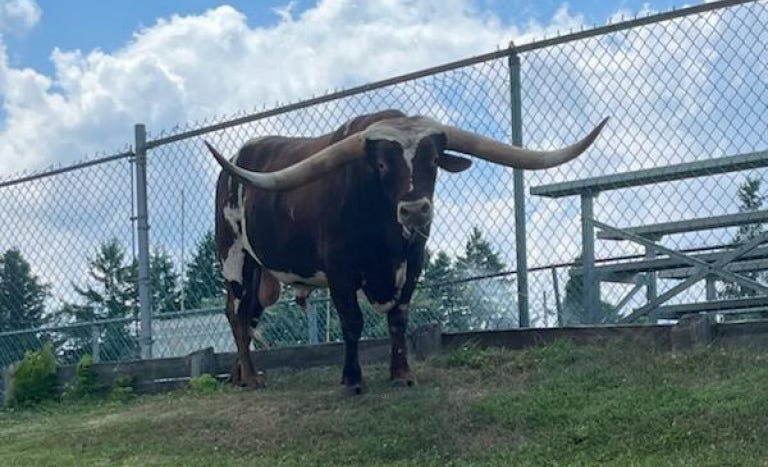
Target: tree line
[
  {"x": 109, "y": 292},
  {"x": 473, "y": 290}
]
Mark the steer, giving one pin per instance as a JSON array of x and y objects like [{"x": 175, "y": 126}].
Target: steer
[{"x": 350, "y": 210}]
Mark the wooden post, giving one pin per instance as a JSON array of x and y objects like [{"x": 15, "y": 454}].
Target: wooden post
[{"x": 201, "y": 362}]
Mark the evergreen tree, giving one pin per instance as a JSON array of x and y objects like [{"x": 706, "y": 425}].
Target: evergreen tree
[
  {"x": 204, "y": 284},
  {"x": 491, "y": 301},
  {"x": 163, "y": 282},
  {"x": 22, "y": 294},
  {"x": 22, "y": 305},
  {"x": 111, "y": 294},
  {"x": 439, "y": 295},
  {"x": 750, "y": 200},
  {"x": 479, "y": 255}
]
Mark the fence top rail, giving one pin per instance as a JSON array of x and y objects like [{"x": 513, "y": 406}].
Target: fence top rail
[
  {"x": 51, "y": 172},
  {"x": 595, "y": 185}
]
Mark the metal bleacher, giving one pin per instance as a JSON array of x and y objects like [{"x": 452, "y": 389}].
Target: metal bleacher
[{"x": 725, "y": 263}]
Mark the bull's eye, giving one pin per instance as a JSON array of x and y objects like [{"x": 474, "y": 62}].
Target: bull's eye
[{"x": 382, "y": 166}]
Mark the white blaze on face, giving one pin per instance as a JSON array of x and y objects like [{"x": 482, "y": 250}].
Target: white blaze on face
[{"x": 408, "y": 134}]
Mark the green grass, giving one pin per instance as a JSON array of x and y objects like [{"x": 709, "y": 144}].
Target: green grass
[{"x": 556, "y": 405}]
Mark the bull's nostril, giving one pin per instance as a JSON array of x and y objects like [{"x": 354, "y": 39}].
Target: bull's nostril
[
  {"x": 425, "y": 208},
  {"x": 403, "y": 211}
]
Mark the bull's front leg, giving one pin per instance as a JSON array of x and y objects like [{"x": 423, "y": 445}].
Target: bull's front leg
[
  {"x": 399, "y": 371},
  {"x": 345, "y": 300},
  {"x": 397, "y": 318}
]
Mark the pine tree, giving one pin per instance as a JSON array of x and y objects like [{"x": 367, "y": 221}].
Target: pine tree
[
  {"x": 111, "y": 294},
  {"x": 439, "y": 295},
  {"x": 22, "y": 305},
  {"x": 491, "y": 301},
  {"x": 204, "y": 284},
  {"x": 163, "y": 282},
  {"x": 22, "y": 294},
  {"x": 479, "y": 255}
]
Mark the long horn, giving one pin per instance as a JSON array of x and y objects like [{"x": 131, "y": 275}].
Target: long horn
[
  {"x": 300, "y": 173},
  {"x": 513, "y": 156}
]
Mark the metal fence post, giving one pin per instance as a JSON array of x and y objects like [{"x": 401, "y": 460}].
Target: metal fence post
[
  {"x": 590, "y": 285},
  {"x": 516, "y": 107},
  {"x": 558, "y": 302},
  {"x": 142, "y": 218}
]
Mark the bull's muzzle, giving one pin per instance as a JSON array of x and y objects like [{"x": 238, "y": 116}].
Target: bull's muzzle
[{"x": 415, "y": 214}]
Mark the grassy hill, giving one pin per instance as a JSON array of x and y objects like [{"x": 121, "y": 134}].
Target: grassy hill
[{"x": 555, "y": 405}]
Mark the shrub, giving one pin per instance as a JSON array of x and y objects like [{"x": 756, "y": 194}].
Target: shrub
[
  {"x": 85, "y": 383},
  {"x": 204, "y": 384},
  {"x": 33, "y": 379},
  {"x": 122, "y": 389}
]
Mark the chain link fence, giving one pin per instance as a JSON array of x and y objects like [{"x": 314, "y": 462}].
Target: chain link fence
[{"x": 679, "y": 87}]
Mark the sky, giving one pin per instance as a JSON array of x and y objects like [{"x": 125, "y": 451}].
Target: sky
[
  {"x": 92, "y": 24},
  {"x": 76, "y": 75}
]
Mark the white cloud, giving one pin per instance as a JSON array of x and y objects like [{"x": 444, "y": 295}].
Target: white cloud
[
  {"x": 18, "y": 15},
  {"x": 192, "y": 67}
]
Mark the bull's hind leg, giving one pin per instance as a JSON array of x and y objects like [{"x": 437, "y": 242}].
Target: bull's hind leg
[{"x": 245, "y": 306}]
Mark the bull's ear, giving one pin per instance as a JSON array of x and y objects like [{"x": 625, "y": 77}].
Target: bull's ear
[{"x": 453, "y": 163}]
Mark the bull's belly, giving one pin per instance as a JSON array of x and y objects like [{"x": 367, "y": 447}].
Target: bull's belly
[{"x": 318, "y": 279}]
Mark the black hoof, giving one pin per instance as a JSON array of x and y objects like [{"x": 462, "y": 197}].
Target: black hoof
[
  {"x": 353, "y": 389},
  {"x": 256, "y": 381},
  {"x": 403, "y": 383}
]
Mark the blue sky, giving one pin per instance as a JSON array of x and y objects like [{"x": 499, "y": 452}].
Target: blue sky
[{"x": 109, "y": 25}]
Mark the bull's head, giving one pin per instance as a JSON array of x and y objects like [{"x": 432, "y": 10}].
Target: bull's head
[{"x": 406, "y": 153}]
